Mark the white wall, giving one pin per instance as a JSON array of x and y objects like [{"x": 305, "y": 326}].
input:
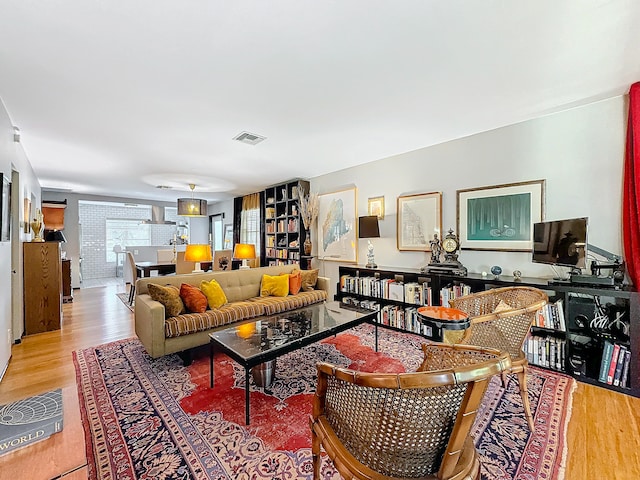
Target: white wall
[
  {"x": 13, "y": 158},
  {"x": 579, "y": 152}
]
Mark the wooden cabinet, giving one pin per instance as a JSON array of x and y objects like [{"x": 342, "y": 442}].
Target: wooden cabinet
[
  {"x": 42, "y": 287},
  {"x": 284, "y": 233},
  {"x": 578, "y": 334}
]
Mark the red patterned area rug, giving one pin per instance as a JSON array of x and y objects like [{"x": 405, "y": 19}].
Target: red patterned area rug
[{"x": 156, "y": 419}]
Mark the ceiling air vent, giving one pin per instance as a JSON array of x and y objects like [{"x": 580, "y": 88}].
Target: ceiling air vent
[{"x": 249, "y": 138}]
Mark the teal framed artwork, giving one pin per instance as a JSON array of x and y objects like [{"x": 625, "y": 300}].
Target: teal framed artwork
[{"x": 500, "y": 217}]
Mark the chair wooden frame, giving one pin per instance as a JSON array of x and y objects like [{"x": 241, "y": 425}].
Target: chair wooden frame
[
  {"x": 407, "y": 425},
  {"x": 504, "y": 326}
]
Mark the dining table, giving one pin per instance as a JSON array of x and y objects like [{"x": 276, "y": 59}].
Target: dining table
[{"x": 144, "y": 269}]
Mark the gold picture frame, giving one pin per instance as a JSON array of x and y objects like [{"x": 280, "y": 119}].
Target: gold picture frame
[
  {"x": 419, "y": 219},
  {"x": 375, "y": 206}
]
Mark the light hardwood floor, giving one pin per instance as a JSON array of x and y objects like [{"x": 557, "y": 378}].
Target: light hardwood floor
[{"x": 603, "y": 437}]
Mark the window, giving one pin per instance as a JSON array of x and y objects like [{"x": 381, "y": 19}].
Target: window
[
  {"x": 125, "y": 232},
  {"x": 250, "y": 221},
  {"x": 216, "y": 231}
]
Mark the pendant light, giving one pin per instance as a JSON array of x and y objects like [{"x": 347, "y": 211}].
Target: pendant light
[{"x": 192, "y": 207}]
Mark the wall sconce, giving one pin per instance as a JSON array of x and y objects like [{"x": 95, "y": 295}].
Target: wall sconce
[
  {"x": 192, "y": 207},
  {"x": 368, "y": 228}
]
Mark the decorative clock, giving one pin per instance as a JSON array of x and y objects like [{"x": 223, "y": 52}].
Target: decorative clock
[{"x": 451, "y": 246}]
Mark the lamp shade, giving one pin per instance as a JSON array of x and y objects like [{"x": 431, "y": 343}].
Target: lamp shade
[
  {"x": 198, "y": 253},
  {"x": 368, "y": 227},
  {"x": 244, "y": 251},
  {"x": 192, "y": 207},
  {"x": 55, "y": 236}
]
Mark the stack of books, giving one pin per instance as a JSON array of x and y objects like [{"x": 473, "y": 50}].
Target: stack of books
[{"x": 614, "y": 366}]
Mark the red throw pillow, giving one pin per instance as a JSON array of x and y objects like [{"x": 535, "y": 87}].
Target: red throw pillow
[
  {"x": 193, "y": 298},
  {"x": 295, "y": 282}
]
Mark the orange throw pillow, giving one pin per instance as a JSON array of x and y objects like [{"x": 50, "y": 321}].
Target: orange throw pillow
[
  {"x": 295, "y": 282},
  {"x": 193, "y": 298}
]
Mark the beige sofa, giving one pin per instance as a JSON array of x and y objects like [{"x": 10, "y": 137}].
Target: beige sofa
[{"x": 161, "y": 336}]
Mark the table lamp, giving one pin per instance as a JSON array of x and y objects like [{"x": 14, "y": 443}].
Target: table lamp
[
  {"x": 368, "y": 228},
  {"x": 244, "y": 252},
  {"x": 197, "y": 253}
]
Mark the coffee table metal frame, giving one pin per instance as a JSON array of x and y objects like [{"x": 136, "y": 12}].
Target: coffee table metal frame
[{"x": 360, "y": 316}]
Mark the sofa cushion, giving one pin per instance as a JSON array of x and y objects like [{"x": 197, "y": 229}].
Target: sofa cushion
[
  {"x": 199, "y": 322},
  {"x": 193, "y": 298},
  {"x": 168, "y": 296},
  {"x": 274, "y": 305},
  {"x": 214, "y": 293},
  {"x": 309, "y": 279},
  {"x": 295, "y": 282},
  {"x": 277, "y": 286}
]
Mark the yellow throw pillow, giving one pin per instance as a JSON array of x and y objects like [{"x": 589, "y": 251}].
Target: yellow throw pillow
[
  {"x": 168, "y": 296},
  {"x": 214, "y": 293},
  {"x": 309, "y": 279},
  {"x": 276, "y": 286}
]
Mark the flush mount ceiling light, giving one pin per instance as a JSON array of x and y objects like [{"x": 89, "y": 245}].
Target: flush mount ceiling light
[
  {"x": 192, "y": 207},
  {"x": 249, "y": 138}
]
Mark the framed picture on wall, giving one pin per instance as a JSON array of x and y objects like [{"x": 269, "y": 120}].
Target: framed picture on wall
[
  {"x": 337, "y": 220},
  {"x": 419, "y": 219},
  {"x": 375, "y": 206},
  {"x": 500, "y": 217},
  {"x": 26, "y": 216},
  {"x": 5, "y": 211}
]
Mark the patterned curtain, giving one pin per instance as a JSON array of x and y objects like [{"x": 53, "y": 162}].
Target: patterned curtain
[{"x": 631, "y": 200}]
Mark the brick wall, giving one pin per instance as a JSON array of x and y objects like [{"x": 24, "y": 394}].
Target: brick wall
[{"x": 93, "y": 217}]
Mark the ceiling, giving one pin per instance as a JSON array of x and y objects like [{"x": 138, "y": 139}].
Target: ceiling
[{"x": 117, "y": 98}]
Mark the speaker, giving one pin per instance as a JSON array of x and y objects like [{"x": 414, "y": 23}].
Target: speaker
[{"x": 580, "y": 312}]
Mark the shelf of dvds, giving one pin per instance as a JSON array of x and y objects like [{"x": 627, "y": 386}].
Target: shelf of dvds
[
  {"x": 284, "y": 234},
  {"x": 590, "y": 333}
]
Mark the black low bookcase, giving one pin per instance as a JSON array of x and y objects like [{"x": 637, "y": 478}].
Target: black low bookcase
[{"x": 581, "y": 343}]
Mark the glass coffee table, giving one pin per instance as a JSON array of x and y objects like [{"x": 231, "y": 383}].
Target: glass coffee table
[{"x": 256, "y": 345}]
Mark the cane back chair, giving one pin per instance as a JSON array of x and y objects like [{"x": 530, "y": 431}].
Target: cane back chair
[
  {"x": 501, "y": 319},
  {"x": 407, "y": 425}
]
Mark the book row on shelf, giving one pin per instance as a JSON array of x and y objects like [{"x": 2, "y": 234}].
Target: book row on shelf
[
  {"x": 394, "y": 316},
  {"x": 411, "y": 292},
  {"x": 282, "y": 253},
  {"x": 551, "y": 316},
  {"x": 548, "y": 352},
  {"x": 614, "y": 366},
  {"x": 279, "y": 262}
]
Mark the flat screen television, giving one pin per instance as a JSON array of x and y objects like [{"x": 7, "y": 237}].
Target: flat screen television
[{"x": 561, "y": 242}]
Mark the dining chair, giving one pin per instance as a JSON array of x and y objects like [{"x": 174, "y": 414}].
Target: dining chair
[{"x": 131, "y": 261}]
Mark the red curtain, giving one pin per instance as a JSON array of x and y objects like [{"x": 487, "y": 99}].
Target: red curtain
[{"x": 631, "y": 200}]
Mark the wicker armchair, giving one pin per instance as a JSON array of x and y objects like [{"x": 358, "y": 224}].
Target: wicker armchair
[
  {"x": 500, "y": 319},
  {"x": 408, "y": 425}
]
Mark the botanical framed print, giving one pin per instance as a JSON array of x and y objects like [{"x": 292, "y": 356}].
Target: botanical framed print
[
  {"x": 419, "y": 219},
  {"x": 375, "y": 206},
  {"x": 337, "y": 220},
  {"x": 500, "y": 217}
]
